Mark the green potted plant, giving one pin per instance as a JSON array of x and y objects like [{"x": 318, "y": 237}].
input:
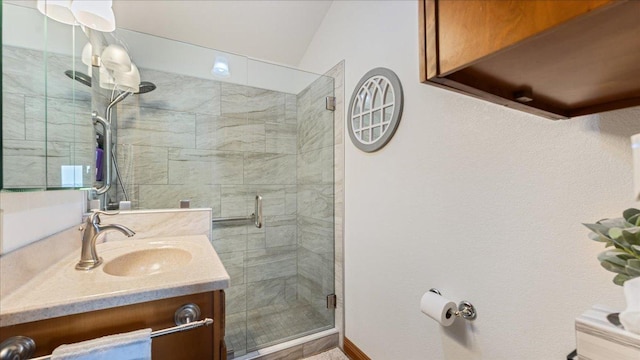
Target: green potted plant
[{"x": 623, "y": 236}]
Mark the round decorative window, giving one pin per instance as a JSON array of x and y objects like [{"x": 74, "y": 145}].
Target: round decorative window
[{"x": 375, "y": 109}]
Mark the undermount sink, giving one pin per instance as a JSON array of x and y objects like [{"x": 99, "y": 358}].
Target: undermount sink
[{"x": 148, "y": 262}]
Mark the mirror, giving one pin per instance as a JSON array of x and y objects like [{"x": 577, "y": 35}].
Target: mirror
[
  {"x": 47, "y": 135},
  {"x": 205, "y": 122}
]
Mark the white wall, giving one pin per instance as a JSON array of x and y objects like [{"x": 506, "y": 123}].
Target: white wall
[
  {"x": 26, "y": 217},
  {"x": 480, "y": 201}
]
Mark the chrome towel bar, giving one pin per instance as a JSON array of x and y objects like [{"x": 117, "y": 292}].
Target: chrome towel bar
[
  {"x": 23, "y": 342},
  {"x": 256, "y": 217},
  {"x": 183, "y": 327}
]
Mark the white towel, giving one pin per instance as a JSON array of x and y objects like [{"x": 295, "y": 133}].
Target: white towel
[{"x": 135, "y": 345}]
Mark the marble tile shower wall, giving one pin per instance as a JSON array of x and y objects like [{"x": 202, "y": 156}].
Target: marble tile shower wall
[
  {"x": 315, "y": 179},
  {"x": 43, "y": 130},
  {"x": 218, "y": 145}
]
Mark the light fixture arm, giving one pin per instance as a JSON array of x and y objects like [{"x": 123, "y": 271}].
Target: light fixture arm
[{"x": 98, "y": 43}]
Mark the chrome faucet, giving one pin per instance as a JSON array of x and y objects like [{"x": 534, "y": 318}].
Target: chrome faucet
[{"x": 92, "y": 230}]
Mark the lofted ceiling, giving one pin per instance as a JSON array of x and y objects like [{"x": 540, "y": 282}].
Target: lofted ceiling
[{"x": 276, "y": 31}]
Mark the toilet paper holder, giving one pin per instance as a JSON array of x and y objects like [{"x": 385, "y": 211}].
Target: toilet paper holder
[{"x": 465, "y": 309}]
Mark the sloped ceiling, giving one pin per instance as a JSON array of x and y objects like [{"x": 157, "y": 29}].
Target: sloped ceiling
[{"x": 276, "y": 31}]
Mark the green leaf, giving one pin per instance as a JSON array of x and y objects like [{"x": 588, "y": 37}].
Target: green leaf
[
  {"x": 633, "y": 272},
  {"x": 635, "y": 219},
  {"x": 630, "y": 237},
  {"x": 599, "y": 238},
  {"x": 634, "y": 263},
  {"x": 617, "y": 257},
  {"x": 614, "y": 233},
  {"x": 614, "y": 267},
  {"x": 618, "y": 222},
  {"x": 597, "y": 228},
  {"x": 636, "y": 250},
  {"x": 633, "y": 267},
  {"x": 621, "y": 243},
  {"x": 629, "y": 213},
  {"x": 620, "y": 279}
]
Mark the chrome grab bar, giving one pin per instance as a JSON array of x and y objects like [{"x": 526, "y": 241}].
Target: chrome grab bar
[
  {"x": 184, "y": 327},
  {"x": 256, "y": 217},
  {"x": 107, "y": 152}
]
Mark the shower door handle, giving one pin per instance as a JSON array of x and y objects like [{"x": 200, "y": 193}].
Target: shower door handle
[
  {"x": 257, "y": 214},
  {"x": 107, "y": 151}
]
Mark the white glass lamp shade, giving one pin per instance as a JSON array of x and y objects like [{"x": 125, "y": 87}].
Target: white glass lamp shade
[
  {"x": 221, "y": 67},
  {"x": 106, "y": 80},
  {"x": 59, "y": 10},
  {"x": 86, "y": 54},
  {"x": 95, "y": 14},
  {"x": 130, "y": 80},
  {"x": 86, "y": 57},
  {"x": 114, "y": 57}
]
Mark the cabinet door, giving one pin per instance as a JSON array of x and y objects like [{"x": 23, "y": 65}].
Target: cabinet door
[
  {"x": 193, "y": 344},
  {"x": 471, "y": 29}
]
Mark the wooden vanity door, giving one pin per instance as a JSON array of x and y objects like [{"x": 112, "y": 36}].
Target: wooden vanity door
[{"x": 206, "y": 342}]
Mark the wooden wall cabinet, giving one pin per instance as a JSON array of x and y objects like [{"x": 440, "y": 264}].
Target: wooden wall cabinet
[
  {"x": 206, "y": 342},
  {"x": 557, "y": 59}
]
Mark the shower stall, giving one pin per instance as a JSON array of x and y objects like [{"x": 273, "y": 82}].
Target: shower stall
[{"x": 259, "y": 130}]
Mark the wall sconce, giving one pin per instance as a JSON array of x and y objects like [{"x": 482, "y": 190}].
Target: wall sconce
[
  {"x": 58, "y": 10},
  {"x": 221, "y": 67},
  {"x": 106, "y": 79},
  {"x": 116, "y": 68},
  {"x": 114, "y": 57},
  {"x": 115, "y": 65},
  {"x": 94, "y": 14},
  {"x": 128, "y": 81},
  {"x": 86, "y": 58}
]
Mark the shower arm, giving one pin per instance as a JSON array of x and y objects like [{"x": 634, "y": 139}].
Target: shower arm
[
  {"x": 121, "y": 96},
  {"x": 107, "y": 151}
]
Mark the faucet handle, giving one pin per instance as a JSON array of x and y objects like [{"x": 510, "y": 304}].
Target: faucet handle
[
  {"x": 94, "y": 218},
  {"x": 115, "y": 212}
]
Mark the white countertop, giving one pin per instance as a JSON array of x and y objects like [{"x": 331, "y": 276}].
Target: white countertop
[{"x": 62, "y": 290}]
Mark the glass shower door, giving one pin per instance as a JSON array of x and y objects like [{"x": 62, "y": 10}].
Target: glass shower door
[{"x": 282, "y": 277}]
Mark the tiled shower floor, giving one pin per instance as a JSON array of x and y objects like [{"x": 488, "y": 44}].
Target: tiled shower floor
[{"x": 271, "y": 325}]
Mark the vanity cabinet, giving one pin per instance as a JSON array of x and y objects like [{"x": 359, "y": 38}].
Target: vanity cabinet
[
  {"x": 557, "y": 59},
  {"x": 205, "y": 342}
]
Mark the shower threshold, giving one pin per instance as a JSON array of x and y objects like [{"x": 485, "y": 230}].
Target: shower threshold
[{"x": 318, "y": 342}]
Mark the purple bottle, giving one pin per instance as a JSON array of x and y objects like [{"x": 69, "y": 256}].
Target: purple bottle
[{"x": 99, "y": 155}]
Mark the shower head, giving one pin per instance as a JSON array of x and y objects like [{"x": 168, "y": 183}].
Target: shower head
[
  {"x": 82, "y": 78},
  {"x": 146, "y": 86}
]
